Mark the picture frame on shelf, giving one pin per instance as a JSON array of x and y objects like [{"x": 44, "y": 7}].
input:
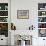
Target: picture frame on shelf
[{"x": 22, "y": 14}]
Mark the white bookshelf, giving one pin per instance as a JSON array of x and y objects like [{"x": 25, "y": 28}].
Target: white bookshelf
[
  {"x": 4, "y": 18},
  {"x": 42, "y": 18}
]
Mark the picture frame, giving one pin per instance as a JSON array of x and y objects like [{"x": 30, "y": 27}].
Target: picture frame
[{"x": 22, "y": 14}]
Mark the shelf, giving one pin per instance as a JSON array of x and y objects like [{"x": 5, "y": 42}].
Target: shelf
[
  {"x": 41, "y": 10},
  {"x": 41, "y": 28},
  {"x": 42, "y": 16},
  {"x": 41, "y": 22},
  {"x": 3, "y": 22},
  {"x": 3, "y": 16},
  {"x": 3, "y": 10},
  {"x": 42, "y": 37}
]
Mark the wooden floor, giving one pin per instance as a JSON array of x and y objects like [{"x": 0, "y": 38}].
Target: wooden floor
[{"x": 3, "y": 45}]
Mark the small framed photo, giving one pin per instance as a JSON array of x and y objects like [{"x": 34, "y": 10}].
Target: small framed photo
[{"x": 22, "y": 14}]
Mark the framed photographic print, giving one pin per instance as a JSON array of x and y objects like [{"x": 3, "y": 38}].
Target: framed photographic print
[{"x": 22, "y": 14}]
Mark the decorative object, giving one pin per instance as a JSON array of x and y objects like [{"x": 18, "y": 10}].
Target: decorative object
[
  {"x": 13, "y": 27},
  {"x": 6, "y": 7},
  {"x": 41, "y": 19},
  {"x": 3, "y": 19},
  {"x": 23, "y": 14},
  {"x": 43, "y": 13},
  {"x": 31, "y": 27},
  {"x": 3, "y": 6},
  {"x": 40, "y": 25},
  {"x": 42, "y": 33},
  {"x": 4, "y": 29},
  {"x": 0, "y": 7},
  {"x": 41, "y": 6},
  {"x": 23, "y": 40},
  {"x": 3, "y": 13}
]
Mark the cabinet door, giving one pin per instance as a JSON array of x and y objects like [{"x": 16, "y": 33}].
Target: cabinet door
[{"x": 41, "y": 41}]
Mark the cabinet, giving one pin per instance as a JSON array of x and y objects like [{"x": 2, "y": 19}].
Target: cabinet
[
  {"x": 3, "y": 40},
  {"x": 42, "y": 19}
]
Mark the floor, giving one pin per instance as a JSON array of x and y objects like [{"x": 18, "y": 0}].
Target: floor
[{"x": 3, "y": 45}]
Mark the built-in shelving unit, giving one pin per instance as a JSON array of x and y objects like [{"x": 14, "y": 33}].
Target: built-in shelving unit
[
  {"x": 4, "y": 19},
  {"x": 42, "y": 19}
]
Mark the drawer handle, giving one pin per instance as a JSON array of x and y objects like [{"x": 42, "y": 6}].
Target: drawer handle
[
  {"x": 1, "y": 39},
  {"x": 43, "y": 39}
]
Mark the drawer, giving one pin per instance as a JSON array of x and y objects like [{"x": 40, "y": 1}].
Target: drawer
[{"x": 3, "y": 41}]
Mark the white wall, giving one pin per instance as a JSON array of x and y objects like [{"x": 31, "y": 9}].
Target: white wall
[
  {"x": 23, "y": 24},
  {"x": 32, "y": 6}
]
